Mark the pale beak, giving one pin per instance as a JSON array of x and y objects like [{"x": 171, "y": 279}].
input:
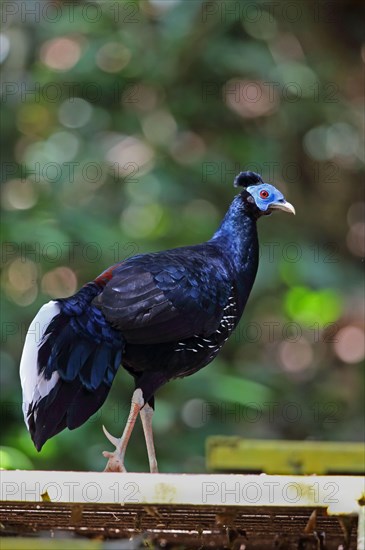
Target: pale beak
[{"x": 282, "y": 205}]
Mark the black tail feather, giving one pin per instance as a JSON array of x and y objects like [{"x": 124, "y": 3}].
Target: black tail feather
[
  {"x": 68, "y": 405},
  {"x": 86, "y": 353}
]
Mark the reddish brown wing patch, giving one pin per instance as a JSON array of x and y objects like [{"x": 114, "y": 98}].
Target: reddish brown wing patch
[{"x": 105, "y": 277}]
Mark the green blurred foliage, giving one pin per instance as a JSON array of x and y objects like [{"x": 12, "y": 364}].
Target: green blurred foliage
[{"x": 123, "y": 125}]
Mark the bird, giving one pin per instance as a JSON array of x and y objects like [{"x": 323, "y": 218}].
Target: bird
[{"x": 159, "y": 316}]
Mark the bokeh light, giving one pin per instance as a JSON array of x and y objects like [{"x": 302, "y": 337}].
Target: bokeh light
[
  {"x": 59, "y": 282},
  {"x": 250, "y": 99},
  {"x": 356, "y": 213},
  {"x": 113, "y": 57},
  {"x": 192, "y": 413},
  {"x": 350, "y": 344},
  {"x": 356, "y": 235},
  {"x": 296, "y": 356},
  {"x": 38, "y": 156},
  {"x": 140, "y": 221},
  {"x": 60, "y": 54},
  {"x": 33, "y": 120},
  {"x": 315, "y": 143},
  {"x": 163, "y": 5},
  {"x": 67, "y": 145},
  {"x": 159, "y": 127},
  {"x": 298, "y": 80},
  {"x": 4, "y": 47},
  {"x": 19, "y": 194},
  {"x": 131, "y": 155},
  {"x": 309, "y": 306},
  {"x": 327, "y": 142},
  {"x": 74, "y": 112},
  {"x": 21, "y": 281},
  {"x": 356, "y": 239},
  {"x": 187, "y": 148}
]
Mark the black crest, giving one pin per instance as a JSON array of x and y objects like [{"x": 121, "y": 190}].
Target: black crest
[{"x": 245, "y": 179}]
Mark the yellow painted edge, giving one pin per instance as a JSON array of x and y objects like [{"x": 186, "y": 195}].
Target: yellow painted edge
[{"x": 283, "y": 457}]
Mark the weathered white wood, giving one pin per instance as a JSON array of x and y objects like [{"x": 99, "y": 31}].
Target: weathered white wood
[
  {"x": 361, "y": 528},
  {"x": 339, "y": 494}
]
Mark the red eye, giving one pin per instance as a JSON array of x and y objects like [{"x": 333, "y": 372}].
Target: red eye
[{"x": 264, "y": 194}]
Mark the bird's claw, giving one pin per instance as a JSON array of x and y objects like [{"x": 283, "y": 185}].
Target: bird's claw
[
  {"x": 116, "y": 460},
  {"x": 112, "y": 439}
]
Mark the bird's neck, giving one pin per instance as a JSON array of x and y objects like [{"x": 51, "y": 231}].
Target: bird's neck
[{"x": 237, "y": 235}]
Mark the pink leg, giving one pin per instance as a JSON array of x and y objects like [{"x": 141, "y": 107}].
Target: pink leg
[
  {"x": 146, "y": 417},
  {"x": 116, "y": 458}
]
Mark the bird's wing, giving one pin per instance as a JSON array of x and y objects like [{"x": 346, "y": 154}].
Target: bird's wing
[{"x": 165, "y": 297}]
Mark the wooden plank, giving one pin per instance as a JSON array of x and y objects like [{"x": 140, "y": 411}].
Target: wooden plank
[
  {"x": 31, "y": 543},
  {"x": 179, "y": 526},
  {"x": 339, "y": 494},
  {"x": 284, "y": 457}
]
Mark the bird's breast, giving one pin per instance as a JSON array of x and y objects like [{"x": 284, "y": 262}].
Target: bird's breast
[{"x": 186, "y": 356}]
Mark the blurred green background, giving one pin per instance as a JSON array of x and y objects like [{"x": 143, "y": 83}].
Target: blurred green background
[{"x": 123, "y": 125}]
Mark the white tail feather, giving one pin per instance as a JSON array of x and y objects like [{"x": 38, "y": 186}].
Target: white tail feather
[{"x": 35, "y": 386}]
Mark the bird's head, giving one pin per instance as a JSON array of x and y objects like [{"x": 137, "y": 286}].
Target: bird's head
[{"x": 261, "y": 196}]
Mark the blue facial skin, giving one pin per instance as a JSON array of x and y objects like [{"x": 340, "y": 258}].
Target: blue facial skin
[{"x": 274, "y": 195}]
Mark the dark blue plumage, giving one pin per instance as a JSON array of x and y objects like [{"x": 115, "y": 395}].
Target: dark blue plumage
[
  {"x": 85, "y": 352},
  {"x": 162, "y": 316}
]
